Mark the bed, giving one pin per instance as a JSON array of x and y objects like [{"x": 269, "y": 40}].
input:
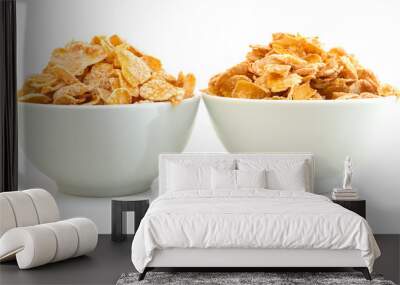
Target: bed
[{"x": 246, "y": 211}]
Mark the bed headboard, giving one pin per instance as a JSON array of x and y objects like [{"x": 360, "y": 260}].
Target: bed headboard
[{"x": 165, "y": 158}]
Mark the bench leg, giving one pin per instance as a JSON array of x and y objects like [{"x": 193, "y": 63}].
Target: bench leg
[
  {"x": 143, "y": 274},
  {"x": 364, "y": 271}
]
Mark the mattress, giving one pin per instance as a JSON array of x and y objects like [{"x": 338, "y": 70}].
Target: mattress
[{"x": 250, "y": 219}]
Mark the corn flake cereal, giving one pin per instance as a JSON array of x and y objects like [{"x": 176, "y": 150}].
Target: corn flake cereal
[
  {"x": 107, "y": 70},
  {"x": 293, "y": 67}
]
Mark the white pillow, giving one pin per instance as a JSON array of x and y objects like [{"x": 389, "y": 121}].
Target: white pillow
[
  {"x": 237, "y": 179},
  {"x": 223, "y": 179},
  {"x": 193, "y": 174},
  {"x": 251, "y": 178},
  {"x": 293, "y": 179},
  {"x": 282, "y": 174},
  {"x": 184, "y": 177}
]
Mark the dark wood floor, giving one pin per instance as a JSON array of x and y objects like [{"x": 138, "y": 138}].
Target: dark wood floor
[
  {"x": 103, "y": 266},
  {"x": 110, "y": 260}
]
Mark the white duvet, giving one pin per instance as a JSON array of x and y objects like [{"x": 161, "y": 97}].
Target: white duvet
[{"x": 250, "y": 219}]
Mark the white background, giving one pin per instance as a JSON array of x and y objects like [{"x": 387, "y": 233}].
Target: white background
[{"x": 205, "y": 37}]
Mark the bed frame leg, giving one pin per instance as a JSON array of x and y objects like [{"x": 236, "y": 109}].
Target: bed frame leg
[
  {"x": 143, "y": 274},
  {"x": 364, "y": 271}
]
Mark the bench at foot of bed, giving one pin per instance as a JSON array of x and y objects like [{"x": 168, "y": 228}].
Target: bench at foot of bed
[{"x": 363, "y": 270}]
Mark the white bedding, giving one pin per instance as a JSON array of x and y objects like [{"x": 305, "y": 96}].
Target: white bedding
[{"x": 251, "y": 218}]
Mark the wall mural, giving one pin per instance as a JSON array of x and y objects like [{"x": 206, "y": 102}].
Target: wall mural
[{"x": 100, "y": 98}]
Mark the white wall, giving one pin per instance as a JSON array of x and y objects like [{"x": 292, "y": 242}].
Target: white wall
[{"x": 206, "y": 37}]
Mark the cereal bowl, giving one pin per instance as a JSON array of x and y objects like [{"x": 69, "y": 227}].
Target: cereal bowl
[
  {"x": 105, "y": 150},
  {"x": 331, "y": 129}
]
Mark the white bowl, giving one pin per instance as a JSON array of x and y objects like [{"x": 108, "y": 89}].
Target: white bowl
[
  {"x": 329, "y": 129},
  {"x": 102, "y": 151}
]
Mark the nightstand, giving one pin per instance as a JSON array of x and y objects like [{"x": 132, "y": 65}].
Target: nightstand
[
  {"x": 119, "y": 208},
  {"x": 357, "y": 206}
]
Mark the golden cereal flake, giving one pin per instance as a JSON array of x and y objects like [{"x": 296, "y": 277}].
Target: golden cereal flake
[
  {"x": 248, "y": 90},
  {"x": 189, "y": 84},
  {"x": 35, "y": 98},
  {"x": 99, "y": 75},
  {"x": 119, "y": 96},
  {"x": 133, "y": 68},
  {"x": 74, "y": 90},
  {"x": 152, "y": 62},
  {"x": 303, "y": 92},
  {"x": 159, "y": 90},
  {"x": 228, "y": 85},
  {"x": 76, "y": 56},
  {"x": 278, "y": 83}
]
